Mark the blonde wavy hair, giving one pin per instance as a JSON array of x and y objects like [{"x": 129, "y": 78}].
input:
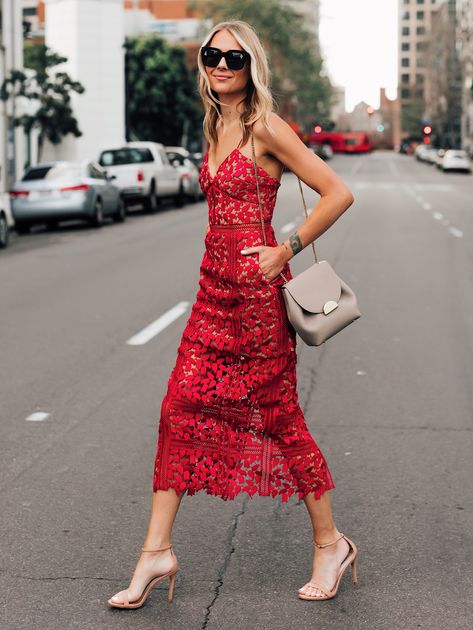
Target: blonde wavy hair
[{"x": 258, "y": 101}]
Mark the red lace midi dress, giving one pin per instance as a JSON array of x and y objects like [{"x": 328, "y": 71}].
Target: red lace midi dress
[{"x": 230, "y": 420}]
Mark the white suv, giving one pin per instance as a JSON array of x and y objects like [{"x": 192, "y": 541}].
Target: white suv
[{"x": 143, "y": 173}]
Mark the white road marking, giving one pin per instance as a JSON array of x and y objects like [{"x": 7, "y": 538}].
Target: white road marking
[
  {"x": 455, "y": 231},
  {"x": 361, "y": 373},
  {"x": 158, "y": 325},
  {"x": 288, "y": 227},
  {"x": 38, "y": 416},
  {"x": 427, "y": 206},
  {"x": 437, "y": 215}
]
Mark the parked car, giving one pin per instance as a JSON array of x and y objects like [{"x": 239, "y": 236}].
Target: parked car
[
  {"x": 6, "y": 221},
  {"x": 62, "y": 190},
  {"x": 197, "y": 158},
  {"x": 420, "y": 152},
  {"x": 456, "y": 160},
  {"x": 144, "y": 174},
  {"x": 439, "y": 158},
  {"x": 179, "y": 158},
  {"x": 430, "y": 155}
]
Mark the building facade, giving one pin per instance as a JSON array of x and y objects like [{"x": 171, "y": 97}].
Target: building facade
[
  {"x": 12, "y": 140},
  {"x": 465, "y": 57},
  {"x": 415, "y": 23}
]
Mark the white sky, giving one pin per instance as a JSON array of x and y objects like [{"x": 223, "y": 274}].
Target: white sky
[{"x": 359, "y": 40}]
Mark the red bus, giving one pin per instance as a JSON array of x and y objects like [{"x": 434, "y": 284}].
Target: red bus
[{"x": 344, "y": 142}]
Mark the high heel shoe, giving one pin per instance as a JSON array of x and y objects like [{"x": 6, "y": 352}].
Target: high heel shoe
[
  {"x": 136, "y": 603},
  {"x": 350, "y": 559}
]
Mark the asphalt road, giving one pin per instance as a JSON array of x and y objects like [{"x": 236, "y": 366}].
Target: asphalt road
[{"x": 389, "y": 401}]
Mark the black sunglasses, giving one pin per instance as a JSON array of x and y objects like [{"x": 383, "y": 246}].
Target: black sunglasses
[{"x": 235, "y": 59}]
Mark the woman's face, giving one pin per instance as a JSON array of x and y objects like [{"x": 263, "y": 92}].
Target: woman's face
[{"x": 222, "y": 80}]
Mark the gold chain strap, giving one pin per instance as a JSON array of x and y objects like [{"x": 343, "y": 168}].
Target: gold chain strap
[{"x": 259, "y": 199}]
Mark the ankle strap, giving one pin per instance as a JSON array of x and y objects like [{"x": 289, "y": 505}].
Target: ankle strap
[
  {"x": 159, "y": 549},
  {"x": 330, "y": 543}
]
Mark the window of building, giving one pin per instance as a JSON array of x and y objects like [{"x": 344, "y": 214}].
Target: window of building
[
  {"x": 405, "y": 93},
  {"x": 421, "y": 2},
  {"x": 405, "y": 62},
  {"x": 420, "y": 62},
  {"x": 420, "y": 15},
  {"x": 404, "y": 78},
  {"x": 405, "y": 15},
  {"x": 420, "y": 78},
  {"x": 405, "y": 46},
  {"x": 420, "y": 30},
  {"x": 405, "y": 30}
]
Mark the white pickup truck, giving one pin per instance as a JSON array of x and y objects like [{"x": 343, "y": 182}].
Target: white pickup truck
[{"x": 143, "y": 173}]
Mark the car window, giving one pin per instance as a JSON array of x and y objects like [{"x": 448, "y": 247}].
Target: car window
[
  {"x": 175, "y": 156},
  {"x": 126, "y": 155},
  {"x": 95, "y": 172},
  {"x": 58, "y": 171}
]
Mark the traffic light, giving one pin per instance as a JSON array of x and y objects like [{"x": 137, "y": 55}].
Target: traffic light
[
  {"x": 427, "y": 131},
  {"x": 317, "y": 129},
  {"x": 370, "y": 110}
]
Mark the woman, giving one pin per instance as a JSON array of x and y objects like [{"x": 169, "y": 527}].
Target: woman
[{"x": 230, "y": 420}]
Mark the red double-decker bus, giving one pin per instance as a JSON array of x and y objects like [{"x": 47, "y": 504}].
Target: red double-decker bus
[{"x": 343, "y": 142}]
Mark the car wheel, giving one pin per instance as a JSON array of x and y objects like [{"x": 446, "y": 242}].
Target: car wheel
[
  {"x": 180, "y": 198},
  {"x": 22, "y": 228},
  {"x": 120, "y": 213},
  {"x": 97, "y": 218},
  {"x": 4, "y": 232},
  {"x": 151, "y": 201}
]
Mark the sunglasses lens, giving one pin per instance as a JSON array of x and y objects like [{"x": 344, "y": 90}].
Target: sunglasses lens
[
  {"x": 210, "y": 57},
  {"x": 235, "y": 60}
]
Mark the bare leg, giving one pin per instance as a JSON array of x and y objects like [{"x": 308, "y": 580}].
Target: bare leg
[
  {"x": 164, "y": 508},
  {"x": 326, "y": 561}
]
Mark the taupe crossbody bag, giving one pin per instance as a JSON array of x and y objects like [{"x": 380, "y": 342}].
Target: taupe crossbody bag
[{"x": 318, "y": 303}]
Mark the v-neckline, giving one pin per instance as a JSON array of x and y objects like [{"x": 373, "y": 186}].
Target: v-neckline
[
  {"x": 212, "y": 177},
  {"x": 263, "y": 170}
]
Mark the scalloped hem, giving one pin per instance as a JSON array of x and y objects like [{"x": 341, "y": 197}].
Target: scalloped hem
[{"x": 192, "y": 490}]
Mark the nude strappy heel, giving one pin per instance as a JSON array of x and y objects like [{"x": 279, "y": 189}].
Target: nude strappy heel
[
  {"x": 136, "y": 603},
  {"x": 349, "y": 560}
]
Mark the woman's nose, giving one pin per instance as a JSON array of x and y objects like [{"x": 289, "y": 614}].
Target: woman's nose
[{"x": 222, "y": 64}]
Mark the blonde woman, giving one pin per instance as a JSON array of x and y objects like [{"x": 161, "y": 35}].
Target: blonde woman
[{"x": 230, "y": 420}]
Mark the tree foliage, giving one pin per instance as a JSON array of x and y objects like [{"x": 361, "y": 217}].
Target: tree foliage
[
  {"x": 48, "y": 91},
  {"x": 162, "y": 94},
  {"x": 298, "y": 81}
]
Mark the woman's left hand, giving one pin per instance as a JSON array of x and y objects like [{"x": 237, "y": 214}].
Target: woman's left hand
[{"x": 271, "y": 259}]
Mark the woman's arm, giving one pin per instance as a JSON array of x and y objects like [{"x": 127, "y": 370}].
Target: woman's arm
[
  {"x": 335, "y": 196},
  {"x": 287, "y": 148}
]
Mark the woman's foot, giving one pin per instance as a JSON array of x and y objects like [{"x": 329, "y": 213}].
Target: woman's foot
[
  {"x": 150, "y": 564},
  {"x": 326, "y": 564}
]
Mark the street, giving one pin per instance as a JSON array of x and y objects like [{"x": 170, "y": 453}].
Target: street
[{"x": 389, "y": 400}]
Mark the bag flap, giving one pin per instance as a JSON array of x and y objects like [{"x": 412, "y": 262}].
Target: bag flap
[{"x": 315, "y": 286}]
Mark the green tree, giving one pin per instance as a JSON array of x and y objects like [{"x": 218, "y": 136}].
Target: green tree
[
  {"x": 299, "y": 85},
  {"x": 49, "y": 91},
  {"x": 162, "y": 98}
]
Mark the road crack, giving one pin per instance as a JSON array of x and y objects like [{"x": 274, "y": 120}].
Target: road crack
[{"x": 229, "y": 550}]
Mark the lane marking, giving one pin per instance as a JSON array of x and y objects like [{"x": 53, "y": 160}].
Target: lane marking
[
  {"x": 38, "y": 416},
  {"x": 288, "y": 227},
  {"x": 455, "y": 231},
  {"x": 437, "y": 215},
  {"x": 153, "y": 329},
  {"x": 427, "y": 206}
]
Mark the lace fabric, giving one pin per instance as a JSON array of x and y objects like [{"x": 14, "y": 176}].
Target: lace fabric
[{"x": 230, "y": 420}]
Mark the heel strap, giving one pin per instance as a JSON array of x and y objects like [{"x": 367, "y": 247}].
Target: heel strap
[
  {"x": 159, "y": 549},
  {"x": 330, "y": 543}
]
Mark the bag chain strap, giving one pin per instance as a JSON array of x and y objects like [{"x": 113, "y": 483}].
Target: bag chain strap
[{"x": 260, "y": 205}]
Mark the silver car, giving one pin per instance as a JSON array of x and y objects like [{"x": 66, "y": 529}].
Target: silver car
[
  {"x": 179, "y": 158},
  {"x": 64, "y": 190}
]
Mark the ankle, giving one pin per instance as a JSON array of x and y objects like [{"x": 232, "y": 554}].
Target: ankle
[
  {"x": 158, "y": 546},
  {"x": 324, "y": 536}
]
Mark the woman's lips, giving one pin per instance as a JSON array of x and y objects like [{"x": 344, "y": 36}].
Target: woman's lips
[{"x": 221, "y": 77}]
